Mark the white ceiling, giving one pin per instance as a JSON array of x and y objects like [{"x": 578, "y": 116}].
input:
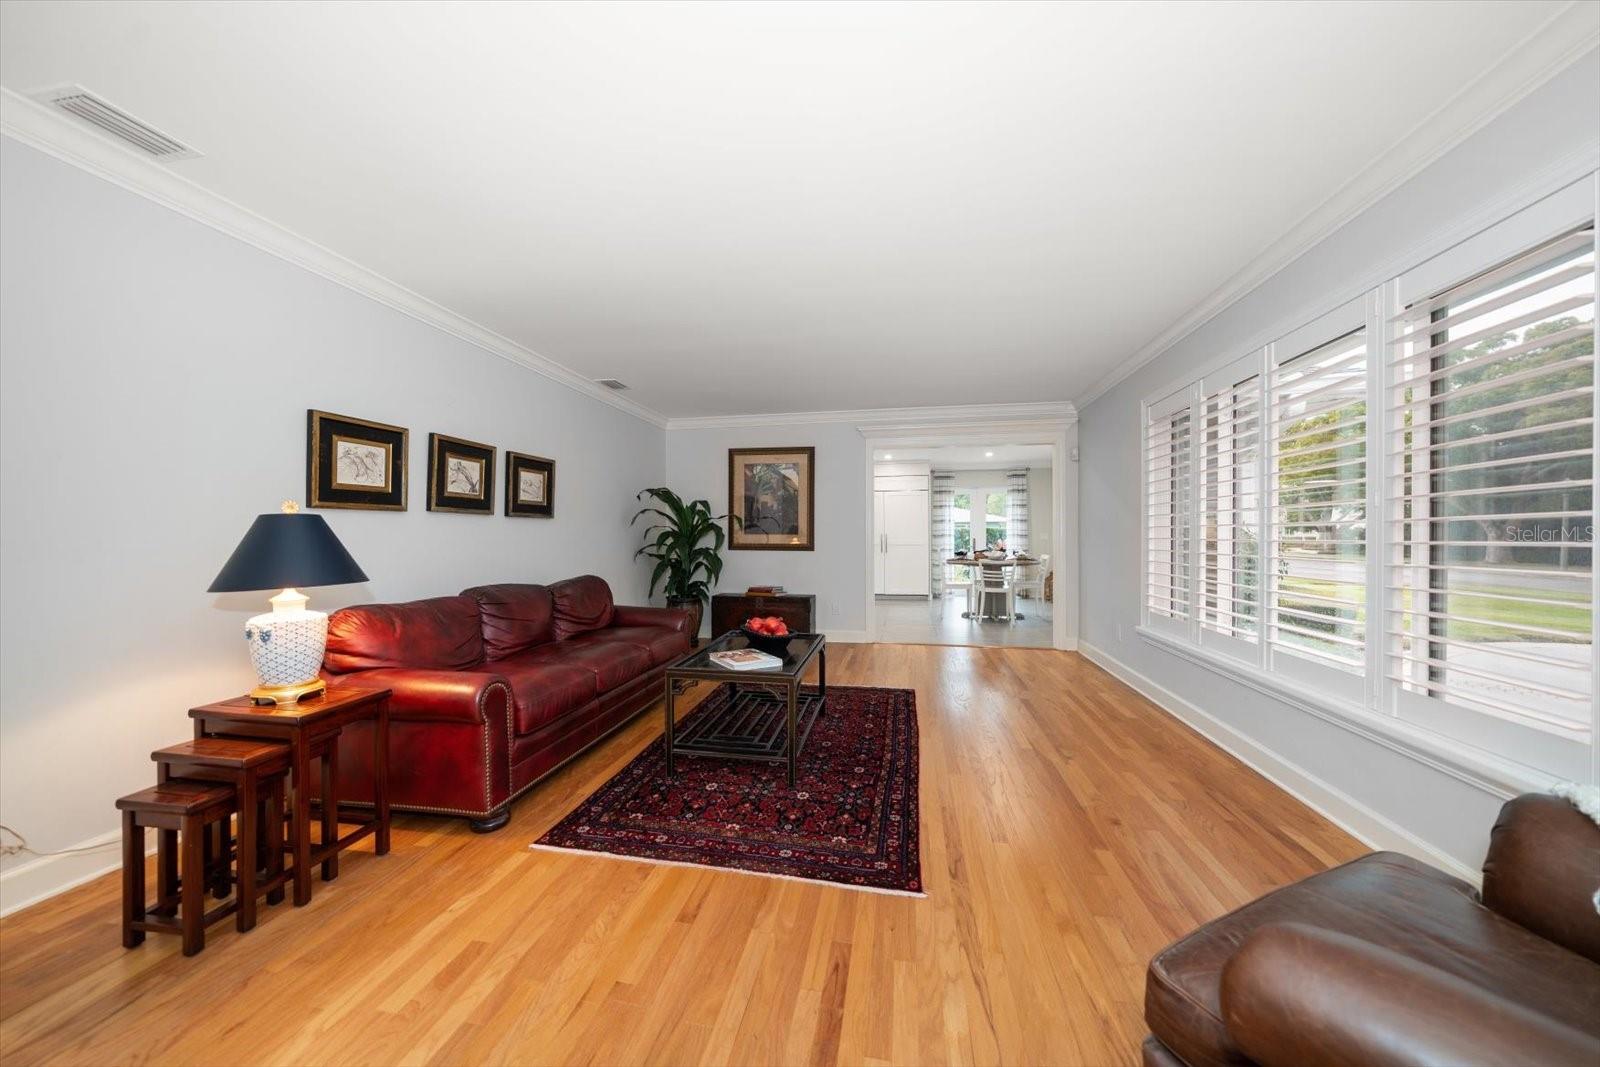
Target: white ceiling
[
  {"x": 742, "y": 208},
  {"x": 971, "y": 457}
]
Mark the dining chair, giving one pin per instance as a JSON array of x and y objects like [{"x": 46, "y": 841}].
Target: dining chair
[
  {"x": 959, "y": 577},
  {"x": 1029, "y": 579},
  {"x": 994, "y": 580}
]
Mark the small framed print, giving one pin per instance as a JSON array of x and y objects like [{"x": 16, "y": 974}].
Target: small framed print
[
  {"x": 530, "y": 485},
  {"x": 353, "y": 463},
  {"x": 460, "y": 475}
]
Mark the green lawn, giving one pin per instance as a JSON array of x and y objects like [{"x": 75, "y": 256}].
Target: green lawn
[{"x": 1573, "y": 620}]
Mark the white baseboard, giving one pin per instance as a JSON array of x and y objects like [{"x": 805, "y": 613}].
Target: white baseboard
[
  {"x": 846, "y": 637},
  {"x": 42, "y": 878},
  {"x": 1338, "y": 807}
]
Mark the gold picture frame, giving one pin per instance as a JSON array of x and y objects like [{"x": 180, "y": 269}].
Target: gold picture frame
[
  {"x": 331, "y": 438},
  {"x": 772, "y": 494},
  {"x": 521, "y": 470},
  {"x": 460, "y": 475}
]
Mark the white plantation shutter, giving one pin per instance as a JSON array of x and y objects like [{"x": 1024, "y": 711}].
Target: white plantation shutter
[
  {"x": 1229, "y": 601},
  {"x": 1168, "y": 454},
  {"x": 1489, "y": 584},
  {"x": 1389, "y": 510},
  {"x": 1317, "y": 506}
]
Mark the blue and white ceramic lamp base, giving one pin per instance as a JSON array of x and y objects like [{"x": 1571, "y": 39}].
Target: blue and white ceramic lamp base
[{"x": 286, "y": 646}]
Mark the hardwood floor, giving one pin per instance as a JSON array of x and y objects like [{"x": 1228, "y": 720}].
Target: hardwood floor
[{"x": 1070, "y": 830}]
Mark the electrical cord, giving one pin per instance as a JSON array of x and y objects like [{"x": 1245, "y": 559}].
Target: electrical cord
[{"x": 21, "y": 845}]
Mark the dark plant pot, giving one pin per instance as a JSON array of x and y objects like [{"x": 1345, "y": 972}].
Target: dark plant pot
[{"x": 695, "y": 609}]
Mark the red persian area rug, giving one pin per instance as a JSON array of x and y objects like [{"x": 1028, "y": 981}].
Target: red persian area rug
[{"x": 851, "y": 820}]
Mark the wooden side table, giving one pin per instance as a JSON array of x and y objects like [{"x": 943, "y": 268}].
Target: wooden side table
[
  {"x": 303, "y": 726},
  {"x": 729, "y": 610},
  {"x": 256, "y": 770},
  {"x": 181, "y": 810}
]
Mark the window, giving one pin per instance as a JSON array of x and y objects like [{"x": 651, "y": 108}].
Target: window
[
  {"x": 991, "y": 526},
  {"x": 1490, "y": 591},
  {"x": 1318, "y": 507},
  {"x": 1390, "y": 509},
  {"x": 1168, "y": 512},
  {"x": 1230, "y": 534}
]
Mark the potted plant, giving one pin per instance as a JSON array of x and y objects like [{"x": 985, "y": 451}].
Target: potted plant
[{"x": 675, "y": 539}]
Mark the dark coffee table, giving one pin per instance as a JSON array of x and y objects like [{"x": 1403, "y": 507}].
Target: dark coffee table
[{"x": 767, "y": 717}]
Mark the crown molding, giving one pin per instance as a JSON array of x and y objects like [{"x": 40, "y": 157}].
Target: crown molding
[
  {"x": 950, "y": 417},
  {"x": 1564, "y": 38},
  {"x": 39, "y": 127}
]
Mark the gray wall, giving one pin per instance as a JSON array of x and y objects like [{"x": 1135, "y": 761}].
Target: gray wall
[
  {"x": 1558, "y": 122},
  {"x": 154, "y": 380},
  {"x": 697, "y": 466}
]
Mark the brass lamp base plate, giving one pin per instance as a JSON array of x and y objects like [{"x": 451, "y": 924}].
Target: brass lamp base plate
[{"x": 288, "y": 694}]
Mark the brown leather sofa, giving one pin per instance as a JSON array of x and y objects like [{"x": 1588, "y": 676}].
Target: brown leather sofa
[
  {"x": 1386, "y": 960},
  {"x": 495, "y": 688}
]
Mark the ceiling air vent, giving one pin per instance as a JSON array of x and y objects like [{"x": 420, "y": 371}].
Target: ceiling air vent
[
  {"x": 83, "y": 105},
  {"x": 610, "y": 383}
]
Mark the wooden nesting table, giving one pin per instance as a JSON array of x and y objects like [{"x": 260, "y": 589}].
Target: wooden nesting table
[{"x": 310, "y": 724}]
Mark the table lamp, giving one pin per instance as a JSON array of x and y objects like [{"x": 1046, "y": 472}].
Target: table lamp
[{"x": 285, "y": 551}]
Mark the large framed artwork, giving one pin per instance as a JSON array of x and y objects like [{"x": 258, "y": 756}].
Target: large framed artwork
[
  {"x": 530, "y": 485},
  {"x": 353, "y": 463},
  {"x": 772, "y": 498},
  {"x": 460, "y": 475}
]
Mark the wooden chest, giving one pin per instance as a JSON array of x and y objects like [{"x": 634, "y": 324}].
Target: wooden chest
[{"x": 729, "y": 610}]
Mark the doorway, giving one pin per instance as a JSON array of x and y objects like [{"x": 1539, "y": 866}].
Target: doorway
[{"x": 939, "y": 501}]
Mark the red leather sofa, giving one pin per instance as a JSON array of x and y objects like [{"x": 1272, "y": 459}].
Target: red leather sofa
[
  {"x": 1388, "y": 962},
  {"x": 495, "y": 688}
]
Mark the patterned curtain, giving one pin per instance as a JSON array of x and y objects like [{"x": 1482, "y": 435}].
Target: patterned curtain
[
  {"x": 943, "y": 542},
  {"x": 1017, "y": 509}
]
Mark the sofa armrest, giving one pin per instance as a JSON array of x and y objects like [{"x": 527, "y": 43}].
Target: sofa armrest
[
  {"x": 1299, "y": 996},
  {"x": 1543, "y": 869},
  {"x": 671, "y": 618},
  {"x": 467, "y": 697}
]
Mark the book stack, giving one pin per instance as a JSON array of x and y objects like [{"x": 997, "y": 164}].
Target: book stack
[
  {"x": 744, "y": 659},
  {"x": 764, "y": 590}
]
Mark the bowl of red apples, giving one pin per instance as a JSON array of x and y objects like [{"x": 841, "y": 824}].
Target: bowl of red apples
[{"x": 767, "y": 632}]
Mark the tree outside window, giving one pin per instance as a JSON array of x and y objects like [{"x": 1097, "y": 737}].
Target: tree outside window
[{"x": 991, "y": 525}]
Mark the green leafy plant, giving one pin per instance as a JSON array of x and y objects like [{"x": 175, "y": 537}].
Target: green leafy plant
[{"x": 676, "y": 538}]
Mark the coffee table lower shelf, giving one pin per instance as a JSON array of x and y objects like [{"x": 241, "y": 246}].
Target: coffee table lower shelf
[{"x": 753, "y": 724}]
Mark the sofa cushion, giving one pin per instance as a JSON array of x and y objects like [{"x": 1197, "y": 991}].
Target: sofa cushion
[
  {"x": 612, "y": 663},
  {"x": 1383, "y": 898},
  {"x": 515, "y": 617},
  {"x": 581, "y": 605},
  {"x": 544, "y": 690},
  {"x": 662, "y": 644},
  {"x": 438, "y": 634}
]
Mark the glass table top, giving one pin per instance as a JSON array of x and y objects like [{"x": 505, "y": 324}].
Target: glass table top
[{"x": 795, "y": 655}]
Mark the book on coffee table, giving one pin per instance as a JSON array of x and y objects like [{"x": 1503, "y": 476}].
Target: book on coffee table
[{"x": 744, "y": 659}]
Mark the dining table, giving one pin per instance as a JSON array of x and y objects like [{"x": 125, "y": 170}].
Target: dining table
[{"x": 988, "y": 561}]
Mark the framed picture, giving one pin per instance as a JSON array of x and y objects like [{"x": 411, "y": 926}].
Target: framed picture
[
  {"x": 772, "y": 494},
  {"x": 530, "y": 485},
  {"x": 353, "y": 463},
  {"x": 460, "y": 475}
]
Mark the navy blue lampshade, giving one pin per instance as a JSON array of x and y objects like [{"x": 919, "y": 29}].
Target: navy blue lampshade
[{"x": 287, "y": 551}]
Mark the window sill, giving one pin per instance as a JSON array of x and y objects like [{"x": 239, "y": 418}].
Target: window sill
[{"x": 1501, "y": 777}]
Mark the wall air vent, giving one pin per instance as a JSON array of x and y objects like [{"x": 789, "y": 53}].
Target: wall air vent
[
  {"x": 142, "y": 137},
  {"x": 610, "y": 383}
]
